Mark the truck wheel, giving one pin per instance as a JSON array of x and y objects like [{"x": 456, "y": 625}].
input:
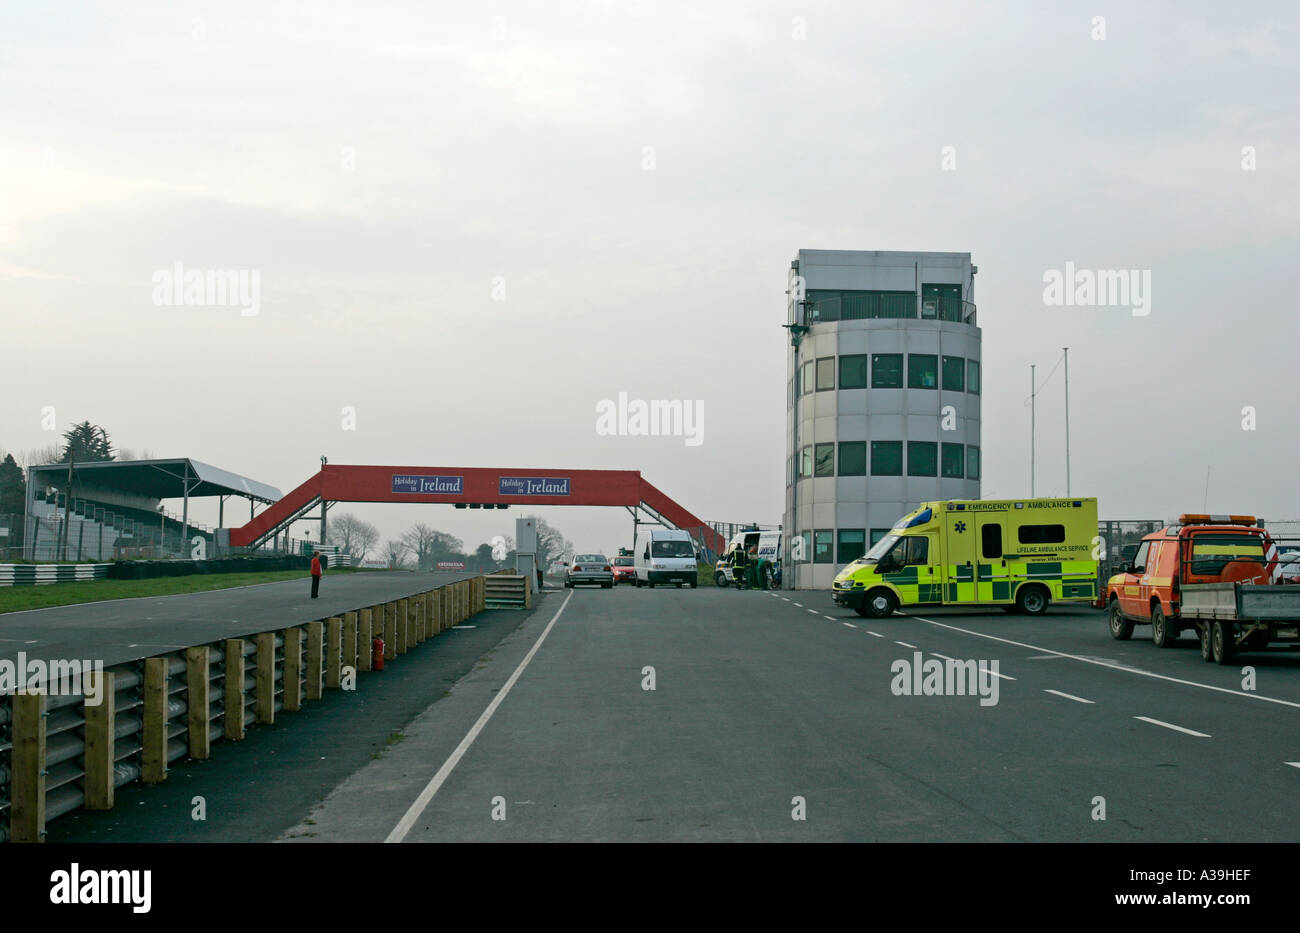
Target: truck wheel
[
  {"x": 1032, "y": 600},
  {"x": 1163, "y": 632},
  {"x": 1221, "y": 645},
  {"x": 1121, "y": 629},
  {"x": 878, "y": 604},
  {"x": 1207, "y": 644},
  {"x": 720, "y": 579}
]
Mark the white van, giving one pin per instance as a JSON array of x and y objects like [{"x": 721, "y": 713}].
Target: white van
[{"x": 667, "y": 555}]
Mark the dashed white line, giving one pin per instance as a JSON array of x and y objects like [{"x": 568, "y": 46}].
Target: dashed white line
[
  {"x": 877, "y": 634},
  {"x": 987, "y": 670},
  {"x": 813, "y": 611},
  {"x": 849, "y": 624},
  {"x": 1294, "y": 764},
  {"x": 800, "y": 605},
  {"x": 904, "y": 644},
  {"x": 786, "y": 598},
  {"x": 1070, "y": 696},
  {"x": 938, "y": 655},
  {"x": 1170, "y": 725},
  {"x": 1117, "y": 667}
]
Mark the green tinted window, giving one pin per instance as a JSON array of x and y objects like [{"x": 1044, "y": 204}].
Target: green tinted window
[
  {"x": 852, "y": 544},
  {"x": 853, "y": 458},
  {"x": 972, "y": 462},
  {"x": 824, "y": 460},
  {"x": 953, "y": 461},
  {"x": 886, "y": 458},
  {"x": 853, "y": 372},
  {"x": 973, "y": 376},
  {"x": 922, "y": 371},
  {"x": 954, "y": 374},
  {"x": 822, "y": 542},
  {"x": 887, "y": 371},
  {"x": 922, "y": 458}
]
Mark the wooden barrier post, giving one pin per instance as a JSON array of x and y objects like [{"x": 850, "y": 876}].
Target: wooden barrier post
[
  {"x": 333, "y": 652},
  {"x": 198, "y": 702},
  {"x": 153, "y": 746},
  {"x": 390, "y": 631},
  {"x": 365, "y": 635},
  {"x": 445, "y": 594},
  {"x": 417, "y": 607},
  {"x": 265, "y": 678},
  {"x": 315, "y": 651},
  {"x": 528, "y": 591},
  {"x": 350, "y": 647},
  {"x": 232, "y": 719},
  {"x": 101, "y": 742},
  {"x": 27, "y": 784},
  {"x": 293, "y": 669},
  {"x": 403, "y": 626},
  {"x": 435, "y": 608}
]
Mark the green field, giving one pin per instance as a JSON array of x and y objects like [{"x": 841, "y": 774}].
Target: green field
[{"x": 18, "y": 598}]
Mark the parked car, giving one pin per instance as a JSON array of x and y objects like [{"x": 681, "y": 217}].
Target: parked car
[
  {"x": 624, "y": 571},
  {"x": 589, "y": 568}
]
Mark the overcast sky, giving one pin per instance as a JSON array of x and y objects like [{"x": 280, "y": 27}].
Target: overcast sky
[{"x": 640, "y": 177}]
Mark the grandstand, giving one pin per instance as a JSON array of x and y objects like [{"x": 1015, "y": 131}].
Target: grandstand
[{"x": 114, "y": 509}]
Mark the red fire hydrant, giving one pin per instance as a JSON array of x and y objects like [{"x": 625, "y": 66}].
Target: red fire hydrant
[{"x": 377, "y": 654}]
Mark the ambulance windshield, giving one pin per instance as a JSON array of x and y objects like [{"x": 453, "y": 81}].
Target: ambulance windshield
[{"x": 879, "y": 549}]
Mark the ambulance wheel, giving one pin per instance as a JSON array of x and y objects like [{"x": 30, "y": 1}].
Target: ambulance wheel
[
  {"x": 1221, "y": 642},
  {"x": 1032, "y": 600},
  {"x": 1163, "y": 632},
  {"x": 878, "y": 604},
  {"x": 720, "y": 579},
  {"x": 1207, "y": 646}
]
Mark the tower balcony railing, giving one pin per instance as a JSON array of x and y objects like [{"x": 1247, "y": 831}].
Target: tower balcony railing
[{"x": 899, "y": 305}]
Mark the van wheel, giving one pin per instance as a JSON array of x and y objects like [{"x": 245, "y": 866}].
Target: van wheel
[
  {"x": 1032, "y": 600},
  {"x": 1221, "y": 646},
  {"x": 1207, "y": 646},
  {"x": 1163, "y": 632},
  {"x": 1121, "y": 629},
  {"x": 720, "y": 579},
  {"x": 878, "y": 604}
]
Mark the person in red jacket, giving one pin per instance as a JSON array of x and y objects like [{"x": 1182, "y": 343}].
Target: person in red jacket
[{"x": 315, "y": 574}]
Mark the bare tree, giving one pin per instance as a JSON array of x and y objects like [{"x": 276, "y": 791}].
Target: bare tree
[
  {"x": 551, "y": 544},
  {"x": 353, "y": 535},
  {"x": 50, "y": 453},
  {"x": 426, "y": 544},
  {"x": 395, "y": 554}
]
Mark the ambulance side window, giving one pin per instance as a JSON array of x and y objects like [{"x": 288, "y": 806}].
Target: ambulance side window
[
  {"x": 918, "y": 550},
  {"x": 991, "y": 541}
]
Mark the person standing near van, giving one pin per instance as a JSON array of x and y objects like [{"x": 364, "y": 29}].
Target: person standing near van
[{"x": 315, "y": 574}]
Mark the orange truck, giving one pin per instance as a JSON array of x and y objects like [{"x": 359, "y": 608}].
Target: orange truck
[{"x": 1211, "y": 573}]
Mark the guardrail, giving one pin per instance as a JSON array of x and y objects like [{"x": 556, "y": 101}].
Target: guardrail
[
  {"x": 59, "y": 753},
  {"x": 36, "y": 574}
]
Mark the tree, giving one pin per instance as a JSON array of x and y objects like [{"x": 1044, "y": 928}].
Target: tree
[
  {"x": 395, "y": 554},
  {"x": 86, "y": 443},
  {"x": 427, "y": 545},
  {"x": 551, "y": 544},
  {"x": 353, "y": 535},
  {"x": 13, "y": 485},
  {"x": 50, "y": 453},
  {"x": 126, "y": 453}
]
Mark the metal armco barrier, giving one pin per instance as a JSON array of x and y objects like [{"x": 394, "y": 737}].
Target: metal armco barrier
[
  {"x": 33, "y": 574},
  {"x": 58, "y": 753}
]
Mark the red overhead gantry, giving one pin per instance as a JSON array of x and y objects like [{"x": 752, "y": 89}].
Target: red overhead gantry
[{"x": 485, "y": 487}]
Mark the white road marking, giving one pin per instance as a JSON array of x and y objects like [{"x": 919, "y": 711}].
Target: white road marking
[
  {"x": 904, "y": 644},
  {"x": 786, "y": 598},
  {"x": 985, "y": 670},
  {"x": 1170, "y": 725},
  {"x": 1118, "y": 667},
  {"x": 877, "y": 634},
  {"x": 1294, "y": 764},
  {"x": 813, "y": 611},
  {"x": 938, "y": 655},
  {"x": 405, "y": 824},
  {"x": 1070, "y": 697},
  {"x": 832, "y": 618},
  {"x": 464, "y": 626},
  {"x": 800, "y": 605}
]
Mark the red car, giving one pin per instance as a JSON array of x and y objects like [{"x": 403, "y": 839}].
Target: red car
[{"x": 624, "y": 572}]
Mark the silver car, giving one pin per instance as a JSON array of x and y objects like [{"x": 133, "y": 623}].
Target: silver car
[{"x": 589, "y": 568}]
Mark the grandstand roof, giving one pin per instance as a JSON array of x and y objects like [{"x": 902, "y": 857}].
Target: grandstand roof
[{"x": 159, "y": 479}]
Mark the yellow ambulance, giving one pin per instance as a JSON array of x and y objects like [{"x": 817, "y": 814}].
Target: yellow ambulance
[{"x": 1018, "y": 554}]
